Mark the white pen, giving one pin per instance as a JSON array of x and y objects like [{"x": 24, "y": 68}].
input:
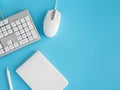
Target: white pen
[{"x": 9, "y": 79}]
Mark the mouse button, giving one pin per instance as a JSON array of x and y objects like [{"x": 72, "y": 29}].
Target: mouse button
[
  {"x": 57, "y": 18},
  {"x": 48, "y": 15}
]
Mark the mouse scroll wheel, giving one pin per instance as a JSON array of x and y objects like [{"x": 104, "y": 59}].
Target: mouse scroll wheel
[{"x": 53, "y": 15}]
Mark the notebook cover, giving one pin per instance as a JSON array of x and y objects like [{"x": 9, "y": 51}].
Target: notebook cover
[{"x": 40, "y": 74}]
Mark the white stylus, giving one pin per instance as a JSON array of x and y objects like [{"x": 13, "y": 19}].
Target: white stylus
[{"x": 9, "y": 79}]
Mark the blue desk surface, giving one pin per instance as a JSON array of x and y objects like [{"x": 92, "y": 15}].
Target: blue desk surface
[{"x": 86, "y": 49}]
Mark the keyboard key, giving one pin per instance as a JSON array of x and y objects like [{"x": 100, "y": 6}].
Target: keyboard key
[
  {"x": 24, "y": 35},
  {"x": 13, "y": 24},
  {"x": 22, "y": 20},
  {"x": 15, "y": 29},
  {"x": 1, "y": 51},
  {"x": 17, "y": 33},
  {"x": 20, "y": 27},
  {"x": 24, "y": 25},
  {"x": 26, "y": 29},
  {"x": 18, "y": 22},
  {"x": 29, "y": 23},
  {"x": 10, "y": 31},
  {"x": 8, "y": 27},
  {"x": 11, "y": 46},
  {"x": 30, "y": 38},
  {"x": 7, "y": 49},
  {"x": 34, "y": 34},
  {"x": 3, "y": 29},
  {"x": 23, "y": 41},
  {"x": 28, "y": 33},
  {"x": 31, "y": 27},
  {"x": 27, "y": 18},
  {"x": 9, "y": 42},
  {"x": 16, "y": 44},
  {"x": 6, "y": 21},
  {"x": 1, "y": 24},
  {"x": 22, "y": 31},
  {"x": 19, "y": 38}
]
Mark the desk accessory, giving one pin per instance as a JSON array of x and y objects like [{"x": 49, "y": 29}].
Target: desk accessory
[
  {"x": 9, "y": 79},
  {"x": 52, "y": 22},
  {"x": 40, "y": 74},
  {"x": 16, "y": 32}
]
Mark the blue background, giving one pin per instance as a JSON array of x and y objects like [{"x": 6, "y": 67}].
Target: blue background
[{"x": 86, "y": 49}]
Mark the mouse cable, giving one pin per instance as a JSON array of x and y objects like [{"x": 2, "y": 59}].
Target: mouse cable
[
  {"x": 54, "y": 11},
  {"x": 1, "y": 14},
  {"x": 56, "y": 4}
]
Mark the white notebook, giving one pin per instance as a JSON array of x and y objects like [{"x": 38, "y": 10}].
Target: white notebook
[{"x": 40, "y": 74}]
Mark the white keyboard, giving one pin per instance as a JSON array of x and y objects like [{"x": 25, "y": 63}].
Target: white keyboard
[{"x": 16, "y": 32}]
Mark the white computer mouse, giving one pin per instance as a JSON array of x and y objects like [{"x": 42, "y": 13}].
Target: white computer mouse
[{"x": 51, "y": 23}]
